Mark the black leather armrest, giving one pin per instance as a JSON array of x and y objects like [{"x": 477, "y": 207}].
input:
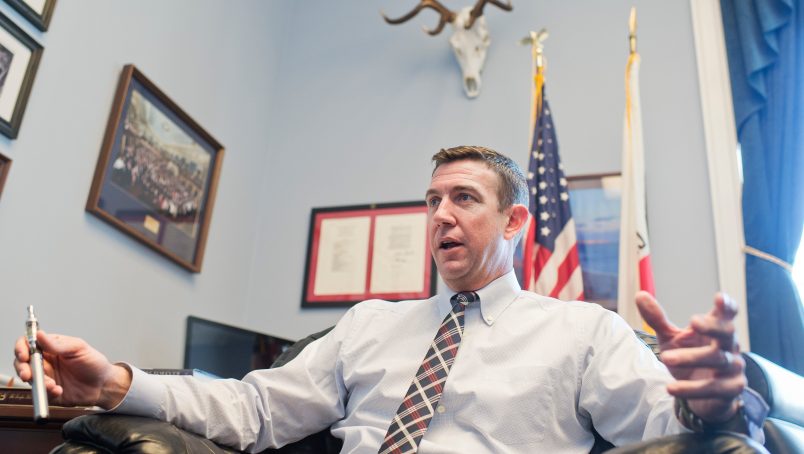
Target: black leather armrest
[
  {"x": 105, "y": 433},
  {"x": 110, "y": 433},
  {"x": 712, "y": 443}
]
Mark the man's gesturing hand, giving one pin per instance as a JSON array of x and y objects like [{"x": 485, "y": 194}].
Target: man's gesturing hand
[
  {"x": 704, "y": 357},
  {"x": 75, "y": 373}
]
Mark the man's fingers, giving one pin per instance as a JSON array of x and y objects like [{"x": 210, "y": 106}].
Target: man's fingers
[
  {"x": 21, "y": 358},
  {"x": 719, "y": 329},
  {"x": 54, "y": 343},
  {"x": 711, "y": 388},
  {"x": 710, "y": 356},
  {"x": 654, "y": 315},
  {"x": 46, "y": 342},
  {"x": 54, "y": 391},
  {"x": 23, "y": 370},
  {"x": 51, "y": 345},
  {"x": 21, "y": 349},
  {"x": 718, "y": 323},
  {"x": 725, "y": 307}
]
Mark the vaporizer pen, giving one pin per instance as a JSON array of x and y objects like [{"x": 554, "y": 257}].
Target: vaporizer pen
[{"x": 38, "y": 391}]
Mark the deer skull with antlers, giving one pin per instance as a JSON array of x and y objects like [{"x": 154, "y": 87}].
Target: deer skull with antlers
[{"x": 470, "y": 36}]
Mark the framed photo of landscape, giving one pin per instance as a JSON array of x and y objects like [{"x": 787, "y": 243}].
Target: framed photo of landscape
[
  {"x": 157, "y": 173},
  {"x": 595, "y": 205},
  {"x": 355, "y": 253},
  {"x": 37, "y": 12},
  {"x": 19, "y": 60}
]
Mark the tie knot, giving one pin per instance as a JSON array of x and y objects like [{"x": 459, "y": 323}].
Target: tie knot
[{"x": 464, "y": 298}]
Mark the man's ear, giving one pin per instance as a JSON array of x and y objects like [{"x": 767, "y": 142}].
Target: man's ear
[{"x": 517, "y": 217}]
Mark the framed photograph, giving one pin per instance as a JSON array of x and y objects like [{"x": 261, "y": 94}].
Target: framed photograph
[
  {"x": 157, "y": 173},
  {"x": 355, "y": 253},
  {"x": 5, "y": 166},
  {"x": 19, "y": 59},
  {"x": 595, "y": 204},
  {"x": 37, "y": 12}
]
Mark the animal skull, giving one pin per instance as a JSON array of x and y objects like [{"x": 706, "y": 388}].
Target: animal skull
[
  {"x": 470, "y": 46},
  {"x": 470, "y": 36}
]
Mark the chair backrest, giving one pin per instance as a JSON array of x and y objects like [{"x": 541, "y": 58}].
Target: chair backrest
[{"x": 297, "y": 347}]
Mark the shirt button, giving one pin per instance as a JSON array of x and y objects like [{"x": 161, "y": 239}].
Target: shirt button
[
  {"x": 489, "y": 319},
  {"x": 441, "y": 409}
]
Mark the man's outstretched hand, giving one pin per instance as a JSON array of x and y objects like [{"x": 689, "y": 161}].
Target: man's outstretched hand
[
  {"x": 75, "y": 373},
  {"x": 704, "y": 357}
]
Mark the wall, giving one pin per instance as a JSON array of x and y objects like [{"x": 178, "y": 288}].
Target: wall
[
  {"x": 361, "y": 107},
  {"x": 84, "y": 276},
  {"x": 318, "y": 104}
]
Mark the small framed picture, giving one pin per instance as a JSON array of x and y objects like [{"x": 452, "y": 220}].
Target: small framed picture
[
  {"x": 355, "y": 253},
  {"x": 37, "y": 12},
  {"x": 157, "y": 173},
  {"x": 595, "y": 205},
  {"x": 5, "y": 166},
  {"x": 19, "y": 59}
]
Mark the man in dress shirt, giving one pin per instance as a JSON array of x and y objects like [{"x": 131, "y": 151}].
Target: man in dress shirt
[{"x": 532, "y": 374}]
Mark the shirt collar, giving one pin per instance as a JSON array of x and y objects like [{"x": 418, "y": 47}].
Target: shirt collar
[{"x": 494, "y": 297}]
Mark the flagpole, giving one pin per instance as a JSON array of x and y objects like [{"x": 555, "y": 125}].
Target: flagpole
[
  {"x": 635, "y": 270},
  {"x": 633, "y": 57},
  {"x": 538, "y": 64}
]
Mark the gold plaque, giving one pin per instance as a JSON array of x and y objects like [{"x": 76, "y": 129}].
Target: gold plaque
[{"x": 151, "y": 224}]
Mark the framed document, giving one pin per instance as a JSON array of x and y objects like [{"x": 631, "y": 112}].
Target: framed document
[
  {"x": 157, "y": 172},
  {"x": 362, "y": 252},
  {"x": 595, "y": 204}
]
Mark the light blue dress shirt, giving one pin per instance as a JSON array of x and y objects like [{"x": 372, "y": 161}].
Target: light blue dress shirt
[{"x": 532, "y": 375}]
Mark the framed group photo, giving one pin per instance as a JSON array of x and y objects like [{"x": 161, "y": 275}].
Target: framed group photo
[
  {"x": 19, "y": 60},
  {"x": 595, "y": 205},
  {"x": 157, "y": 173},
  {"x": 360, "y": 252},
  {"x": 37, "y": 12}
]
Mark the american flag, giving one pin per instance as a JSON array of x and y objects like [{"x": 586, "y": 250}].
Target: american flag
[{"x": 551, "y": 266}]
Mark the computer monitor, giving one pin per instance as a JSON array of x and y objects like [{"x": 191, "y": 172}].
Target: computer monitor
[{"x": 228, "y": 351}]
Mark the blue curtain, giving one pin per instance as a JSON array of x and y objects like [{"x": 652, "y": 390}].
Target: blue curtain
[{"x": 765, "y": 46}]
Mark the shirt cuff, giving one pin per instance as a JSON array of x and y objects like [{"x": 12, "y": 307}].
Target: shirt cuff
[
  {"x": 755, "y": 410},
  {"x": 144, "y": 397}
]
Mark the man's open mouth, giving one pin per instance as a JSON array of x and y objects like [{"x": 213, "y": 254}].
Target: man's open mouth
[{"x": 448, "y": 244}]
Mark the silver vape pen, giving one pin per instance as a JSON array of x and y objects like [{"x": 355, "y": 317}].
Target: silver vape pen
[{"x": 38, "y": 391}]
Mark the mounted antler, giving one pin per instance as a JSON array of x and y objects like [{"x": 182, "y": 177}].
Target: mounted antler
[
  {"x": 477, "y": 10},
  {"x": 470, "y": 36},
  {"x": 445, "y": 15}
]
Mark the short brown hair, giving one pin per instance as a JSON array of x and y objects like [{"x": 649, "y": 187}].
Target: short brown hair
[{"x": 513, "y": 187}]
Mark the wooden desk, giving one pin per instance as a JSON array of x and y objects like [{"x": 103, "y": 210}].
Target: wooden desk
[{"x": 19, "y": 433}]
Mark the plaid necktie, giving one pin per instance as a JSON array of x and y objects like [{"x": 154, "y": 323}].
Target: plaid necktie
[{"x": 416, "y": 411}]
